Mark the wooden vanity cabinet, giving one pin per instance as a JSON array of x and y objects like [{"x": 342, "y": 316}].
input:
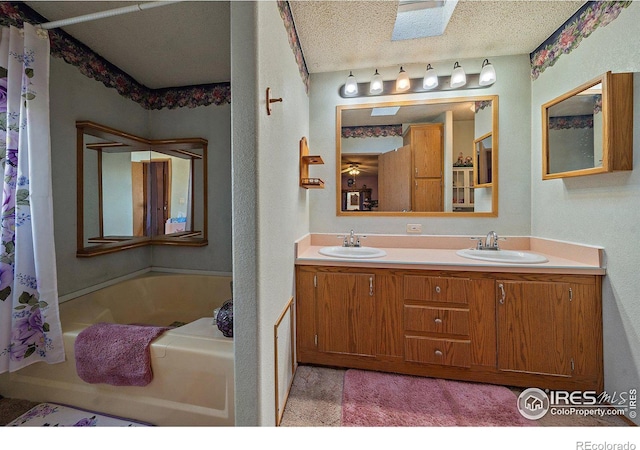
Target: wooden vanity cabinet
[
  {"x": 345, "y": 304},
  {"x": 529, "y": 330}
]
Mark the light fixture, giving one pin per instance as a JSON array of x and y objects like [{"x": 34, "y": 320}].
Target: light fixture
[
  {"x": 351, "y": 86},
  {"x": 430, "y": 82},
  {"x": 458, "y": 77},
  {"x": 353, "y": 171},
  {"x": 487, "y": 74},
  {"x": 430, "y": 78},
  {"x": 402, "y": 82},
  {"x": 376, "y": 85}
]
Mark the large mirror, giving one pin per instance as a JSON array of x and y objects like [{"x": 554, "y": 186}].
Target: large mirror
[
  {"x": 418, "y": 158},
  {"x": 134, "y": 191},
  {"x": 589, "y": 129}
]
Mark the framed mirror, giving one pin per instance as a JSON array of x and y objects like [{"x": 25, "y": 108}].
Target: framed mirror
[
  {"x": 589, "y": 129},
  {"x": 133, "y": 191},
  {"x": 482, "y": 160},
  {"x": 417, "y": 158}
]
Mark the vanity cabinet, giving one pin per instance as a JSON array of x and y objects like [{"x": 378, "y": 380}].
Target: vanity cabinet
[
  {"x": 346, "y": 313},
  {"x": 532, "y": 329}
]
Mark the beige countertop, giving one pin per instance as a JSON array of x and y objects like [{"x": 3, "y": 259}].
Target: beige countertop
[{"x": 439, "y": 253}]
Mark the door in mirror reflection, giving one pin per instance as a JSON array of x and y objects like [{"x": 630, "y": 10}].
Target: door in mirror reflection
[{"x": 407, "y": 157}]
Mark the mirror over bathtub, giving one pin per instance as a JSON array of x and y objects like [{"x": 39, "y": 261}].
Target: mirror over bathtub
[{"x": 133, "y": 191}]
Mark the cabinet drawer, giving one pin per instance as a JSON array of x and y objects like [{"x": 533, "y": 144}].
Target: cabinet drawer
[
  {"x": 437, "y": 289},
  {"x": 447, "y": 352},
  {"x": 436, "y": 320}
]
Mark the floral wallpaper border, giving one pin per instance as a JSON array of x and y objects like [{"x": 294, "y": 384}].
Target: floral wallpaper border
[
  {"x": 372, "y": 131},
  {"x": 567, "y": 37},
  {"x": 570, "y": 122},
  {"x": 95, "y": 66},
  {"x": 294, "y": 41},
  {"x": 482, "y": 105}
]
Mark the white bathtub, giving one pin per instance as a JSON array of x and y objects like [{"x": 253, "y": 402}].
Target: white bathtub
[{"x": 192, "y": 365}]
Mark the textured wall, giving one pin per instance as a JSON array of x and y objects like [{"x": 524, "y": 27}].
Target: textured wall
[
  {"x": 76, "y": 97},
  {"x": 282, "y": 205},
  {"x": 598, "y": 209},
  {"x": 513, "y": 90}
]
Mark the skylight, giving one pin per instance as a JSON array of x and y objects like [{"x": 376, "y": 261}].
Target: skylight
[
  {"x": 386, "y": 111},
  {"x": 422, "y": 18}
]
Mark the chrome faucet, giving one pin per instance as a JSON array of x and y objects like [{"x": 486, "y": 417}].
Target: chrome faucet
[
  {"x": 352, "y": 240},
  {"x": 491, "y": 242}
]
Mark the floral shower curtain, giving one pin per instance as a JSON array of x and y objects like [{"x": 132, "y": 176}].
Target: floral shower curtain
[{"x": 29, "y": 321}]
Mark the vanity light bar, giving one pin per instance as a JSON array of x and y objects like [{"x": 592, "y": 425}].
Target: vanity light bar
[{"x": 389, "y": 86}]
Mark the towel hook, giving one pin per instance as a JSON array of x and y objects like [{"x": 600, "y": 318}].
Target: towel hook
[{"x": 271, "y": 100}]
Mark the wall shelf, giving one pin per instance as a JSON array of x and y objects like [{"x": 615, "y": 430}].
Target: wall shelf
[{"x": 305, "y": 161}]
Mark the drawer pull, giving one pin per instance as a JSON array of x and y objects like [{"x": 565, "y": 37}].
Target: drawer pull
[
  {"x": 437, "y": 320},
  {"x": 438, "y": 353},
  {"x": 438, "y": 289}
]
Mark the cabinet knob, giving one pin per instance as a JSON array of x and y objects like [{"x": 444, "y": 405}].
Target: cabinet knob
[
  {"x": 438, "y": 353},
  {"x": 437, "y": 320},
  {"x": 438, "y": 289}
]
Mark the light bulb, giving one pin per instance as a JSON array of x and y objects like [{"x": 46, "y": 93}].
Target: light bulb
[
  {"x": 351, "y": 86},
  {"x": 487, "y": 74},
  {"x": 458, "y": 77},
  {"x": 402, "y": 82},
  {"x": 376, "y": 83},
  {"x": 430, "y": 78}
]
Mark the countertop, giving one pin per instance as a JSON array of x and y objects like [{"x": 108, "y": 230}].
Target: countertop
[{"x": 439, "y": 253}]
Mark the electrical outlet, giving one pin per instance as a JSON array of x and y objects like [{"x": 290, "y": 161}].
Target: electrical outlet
[{"x": 414, "y": 228}]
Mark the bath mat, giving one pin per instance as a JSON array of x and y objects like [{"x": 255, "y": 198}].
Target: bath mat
[
  {"x": 375, "y": 399},
  {"x": 116, "y": 354},
  {"x": 54, "y": 415}
]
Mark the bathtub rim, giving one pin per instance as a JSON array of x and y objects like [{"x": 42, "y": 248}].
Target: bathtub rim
[{"x": 138, "y": 274}]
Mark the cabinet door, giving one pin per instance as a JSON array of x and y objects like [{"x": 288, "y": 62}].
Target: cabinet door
[
  {"x": 427, "y": 194},
  {"x": 346, "y": 313},
  {"x": 426, "y": 141},
  {"x": 534, "y": 327}
]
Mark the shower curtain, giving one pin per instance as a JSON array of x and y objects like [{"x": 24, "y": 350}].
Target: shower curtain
[{"x": 29, "y": 321}]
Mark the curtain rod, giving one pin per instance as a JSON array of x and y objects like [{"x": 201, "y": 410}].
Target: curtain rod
[{"x": 104, "y": 14}]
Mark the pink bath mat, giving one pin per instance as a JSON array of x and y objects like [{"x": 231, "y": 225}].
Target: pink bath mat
[{"x": 375, "y": 399}]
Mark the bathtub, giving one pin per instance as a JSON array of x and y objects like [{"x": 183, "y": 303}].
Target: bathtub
[{"x": 193, "y": 364}]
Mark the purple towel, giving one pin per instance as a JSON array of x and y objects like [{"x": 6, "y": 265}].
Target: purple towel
[{"x": 116, "y": 354}]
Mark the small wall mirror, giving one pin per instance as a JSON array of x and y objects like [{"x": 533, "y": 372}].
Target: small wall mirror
[
  {"x": 483, "y": 160},
  {"x": 589, "y": 129},
  {"x": 418, "y": 158},
  {"x": 133, "y": 191}
]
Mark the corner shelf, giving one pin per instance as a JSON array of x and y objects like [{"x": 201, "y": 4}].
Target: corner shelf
[{"x": 305, "y": 161}]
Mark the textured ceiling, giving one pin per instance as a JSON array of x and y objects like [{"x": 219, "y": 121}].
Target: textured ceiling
[
  {"x": 188, "y": 43},
  {"x": 343, "y": 35}
]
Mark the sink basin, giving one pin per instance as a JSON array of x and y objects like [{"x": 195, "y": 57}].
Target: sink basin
[
  {"x": 502, "y": 256},
  {"x": 352, "y": 252}
]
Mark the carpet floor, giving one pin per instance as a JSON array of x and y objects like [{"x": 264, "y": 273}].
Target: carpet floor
[
  {"x": 315, "y": 400},
  {"x": 377, "y": 399}
]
